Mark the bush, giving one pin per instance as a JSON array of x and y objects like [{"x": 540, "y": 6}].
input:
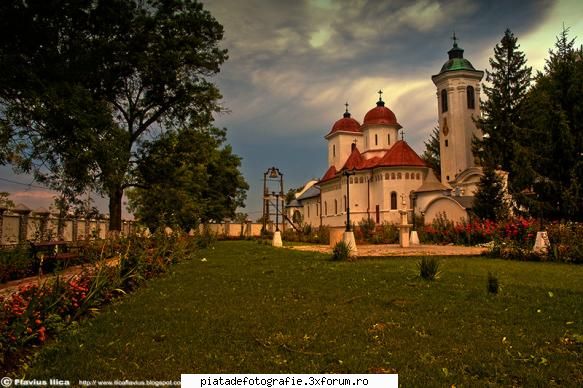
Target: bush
[
  {"x": 367, "y": 227},
  {"x": 341, "y": 252},
  {"x": 566, "y": 242},
  {"x": 206, "y": 238},
  {"x": 16, "y": 263},
  {"x": 429, "y": 268},
  {"x": 493, "y": 283}
]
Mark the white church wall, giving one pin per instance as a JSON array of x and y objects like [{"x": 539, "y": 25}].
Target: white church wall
[
  {"x": 340, "y": 148},
  {"x": 453, "y": 211}
]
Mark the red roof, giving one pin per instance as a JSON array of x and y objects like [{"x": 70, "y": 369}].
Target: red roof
[
  {"x": 401, "y": 154},
  {"x": 329, "y": 174},
  {"x": 345, "y": 124},
  {"x": 354, "y": 161},
  {"x": 380, "y": 115}
]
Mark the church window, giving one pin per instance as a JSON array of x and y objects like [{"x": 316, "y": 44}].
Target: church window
[
  {"x": 351, "y": 180},
  {"x": 387, "y": 176},
  {"x": 443, "y": 101},
  {"x": 389, "y": 139},
  {"x": 398, "y": 175},
  {"x": 471, "y": 97},
  {"x": 317, "y": 209},
  {"x": 345, "y": 203},
  {"x": 335, "y": 206},
  {"x": 447, "y": 177},
  {"x": 308, "y": 211},
  {"x": 325, "y": 208},
  {"x": 446, "y": 143},
  {"x": 393, "y": 175},
  {"x": 393, "y": 201},
  {"x": 333, "y": 150},
  {"x": 361, "y": 180},
  {"x": 406, "y": 175},
  {"x": 418, "y": 176},
  {"x": 376, "y": 140}
]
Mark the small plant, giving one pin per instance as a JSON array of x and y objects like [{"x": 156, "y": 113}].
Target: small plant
[
  {"x": 493, "y": 283},
  {"x": 341, "y": 251},
  {"x": 429, "y": 268}
]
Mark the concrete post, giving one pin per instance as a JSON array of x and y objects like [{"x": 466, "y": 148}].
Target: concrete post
[{"x": 23, "y": 211}]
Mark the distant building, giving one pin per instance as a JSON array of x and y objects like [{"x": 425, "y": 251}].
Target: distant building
[{"x": 385, "y": 174}]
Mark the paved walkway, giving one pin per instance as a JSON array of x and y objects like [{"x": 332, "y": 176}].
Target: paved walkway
[{"x": 396, "y": 250}]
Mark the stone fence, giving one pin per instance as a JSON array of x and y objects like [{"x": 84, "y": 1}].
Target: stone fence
[
  {"x": 22, "y": 224},
  {"x": 234, "y": 229}
]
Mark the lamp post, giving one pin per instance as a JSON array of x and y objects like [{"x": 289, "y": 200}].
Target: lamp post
[
  {"x": 276, "y": 210},
  {"x": 348, "y": 174}
]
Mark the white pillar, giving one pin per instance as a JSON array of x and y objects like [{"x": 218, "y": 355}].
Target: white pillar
[{"x": 277, "y": 239}]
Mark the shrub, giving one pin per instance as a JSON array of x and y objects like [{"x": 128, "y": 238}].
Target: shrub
[
  {"x": 367, "y": 227},
  {"x": 429, "y": 268},
  {"x": 206, "y": 238},
  {"x": 341, "y": 251},
  {"x": 493, "y": 283},
  {"x": 16, "y": 263},
  {"x": 389, "y": 233}
]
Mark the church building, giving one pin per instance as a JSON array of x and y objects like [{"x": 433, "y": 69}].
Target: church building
[{"x": 385, "y": 174}]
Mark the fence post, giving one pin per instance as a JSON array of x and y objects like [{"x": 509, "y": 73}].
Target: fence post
[
  {"x": 2, "y": 210},
  {"x": 75, "y": 229},
  {"x": 23, "y": 211},
  {"x": 44, "y": 220}
]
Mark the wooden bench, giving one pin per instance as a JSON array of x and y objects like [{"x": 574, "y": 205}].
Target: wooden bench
[{"x": 52, "y": 251}]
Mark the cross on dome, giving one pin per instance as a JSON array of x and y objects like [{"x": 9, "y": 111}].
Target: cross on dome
[
  {"x": 454, "y": 38},
  {"x": 380, "y": 92},
  {"x": 346, "y": 105}
]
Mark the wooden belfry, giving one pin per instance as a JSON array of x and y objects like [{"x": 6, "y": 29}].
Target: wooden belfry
[{"x": 273, "y": 198}]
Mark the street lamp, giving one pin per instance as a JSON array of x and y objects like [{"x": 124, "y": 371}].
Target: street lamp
[
  {"x": 348, "y": 174},
  {"x": 276, "y": 210}
]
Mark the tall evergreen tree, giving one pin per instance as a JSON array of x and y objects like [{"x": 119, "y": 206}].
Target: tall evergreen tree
[
  {"x": 489, "y": 202},
  {"x": 431, "y": 154},
  {"x": 555, "y": 114},
  {"x": 502, "y": 122}
]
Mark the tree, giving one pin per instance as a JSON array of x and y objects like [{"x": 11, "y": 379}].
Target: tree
[
  {"x": 431, "y": 155},
  {"x": 5, "y": 201},
  {"x": 84, "y": 81},
  {"x": 187, "y": 177},
  {"x": 502, "y": 123},
  {"x": 555, "y": 117},
  {"x": 489, "y": 202}
]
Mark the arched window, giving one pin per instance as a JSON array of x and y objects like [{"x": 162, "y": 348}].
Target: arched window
[
  {"x": 351, "y": 180},
  {"x": 317, "y": 208},
  {"x": 387, "y": 176},
  {"x": 376, "y": 139},
  {"x": 443, "y": 101},
  {"x": 345, "y": 203},
  {"x": 335, "y": 207},
  {"x": 418, "y": 176},
  {"x": 406, "y": 175},
  {"x": 308, "y": 211},
  {"x": 361, "y": 180},
  {"x": 471, "y": 97},
  {"x": 393, "y": 175},
  {"x": 325, "y": 208},
  {"x": 389, "y": 139},
  {"x": 398, "y": 175},
  {"x": 393, "y": 201},
  {"x": 333, "y": 150}
]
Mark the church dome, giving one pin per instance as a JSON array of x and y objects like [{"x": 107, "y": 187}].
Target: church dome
[
  {"x": 456, "y": 59},
  {"x": 345, "y": 124},
  {"x": 380, "y": 115}
]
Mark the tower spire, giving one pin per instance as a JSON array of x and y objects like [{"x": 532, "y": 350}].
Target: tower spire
[
  {"x": 347, "y": 113},
  {"x": 380, "y": 102}
]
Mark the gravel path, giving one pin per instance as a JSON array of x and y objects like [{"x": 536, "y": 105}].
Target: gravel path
[{"x": 396, "y": 250}]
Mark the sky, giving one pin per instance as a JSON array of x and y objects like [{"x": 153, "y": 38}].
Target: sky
[{"x": 294, "y": 64}]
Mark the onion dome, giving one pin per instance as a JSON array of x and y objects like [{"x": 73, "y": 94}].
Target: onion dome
[
  {"x": 345, "y": 124},
  {"x": 456, "y": 59},
  {"x": 381, "y": 115}
]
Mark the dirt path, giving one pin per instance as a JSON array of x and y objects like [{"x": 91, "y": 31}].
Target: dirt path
[
  {"x": 10, "y": 287},
  {"x": 396, "y": 250}
]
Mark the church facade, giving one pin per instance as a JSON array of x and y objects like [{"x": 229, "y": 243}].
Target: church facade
[{"x": 385, "y": 175}]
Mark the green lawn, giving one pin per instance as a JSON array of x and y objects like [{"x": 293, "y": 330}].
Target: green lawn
[{"x": 251, "y": 308}]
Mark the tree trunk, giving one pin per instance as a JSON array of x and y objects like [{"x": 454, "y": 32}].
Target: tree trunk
[{"x": 115, "y": 197}]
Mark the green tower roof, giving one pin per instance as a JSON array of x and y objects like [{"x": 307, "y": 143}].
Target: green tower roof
[{"x": 456, "y": 59}]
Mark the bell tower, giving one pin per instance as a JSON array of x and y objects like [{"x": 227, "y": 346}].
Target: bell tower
[{"x": 458, "y": 104}]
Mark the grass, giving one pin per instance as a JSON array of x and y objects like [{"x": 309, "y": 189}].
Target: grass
[{"x": 251, "y": 308}]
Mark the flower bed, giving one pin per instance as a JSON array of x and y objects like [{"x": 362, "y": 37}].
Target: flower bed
[{"x": 35, "y": 313}]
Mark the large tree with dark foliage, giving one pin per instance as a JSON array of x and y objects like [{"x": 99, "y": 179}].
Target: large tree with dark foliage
[
  {"x": 431, "y": 155},
  {"x": 187, "y": 177},
  {"x": 502, "y": 121},
  {"x": 555, "y": 116},
  {"x": 84, "y": 81}
]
